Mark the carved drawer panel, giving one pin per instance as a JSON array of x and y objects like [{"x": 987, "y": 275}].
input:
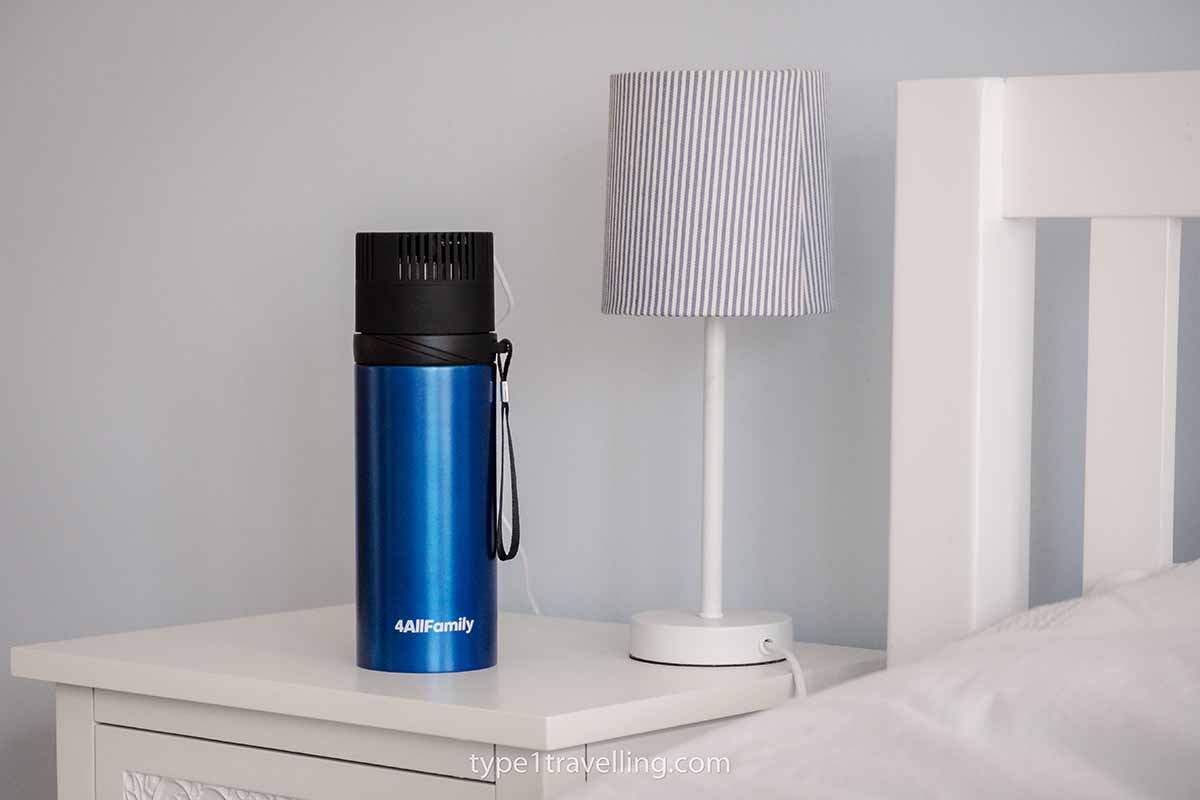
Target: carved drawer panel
[
  {"x": 139, "y": 786},
  {"x": 140, "y": 765}
]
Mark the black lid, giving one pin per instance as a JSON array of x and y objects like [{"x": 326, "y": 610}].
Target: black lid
[{"x": 424, "y": 283}]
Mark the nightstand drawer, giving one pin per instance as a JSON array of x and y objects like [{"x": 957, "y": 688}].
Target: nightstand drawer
[
  {"x": 139, "y": 765},
  {"x": 310, "y": 737}
]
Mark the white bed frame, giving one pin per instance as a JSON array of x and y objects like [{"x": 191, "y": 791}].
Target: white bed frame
[{"x": 977, "y": 162}]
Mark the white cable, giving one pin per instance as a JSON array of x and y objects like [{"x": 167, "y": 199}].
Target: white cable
[
  {"x": 533, "y": 603},
  {"x": 507, "y": 290},
  {"x": 525, "y": 570},
  {"x": 771, "y": 648}
]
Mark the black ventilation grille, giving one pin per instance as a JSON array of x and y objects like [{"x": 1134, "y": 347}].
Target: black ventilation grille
[
  {"x": 424, "y": 257},
  {"x": 424, "y": 283}
]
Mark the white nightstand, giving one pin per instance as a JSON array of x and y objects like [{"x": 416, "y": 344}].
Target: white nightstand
[{"x": 275, "y": 704}]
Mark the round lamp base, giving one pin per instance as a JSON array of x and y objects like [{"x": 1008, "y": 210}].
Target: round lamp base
[{"x": 684, "y": 638}]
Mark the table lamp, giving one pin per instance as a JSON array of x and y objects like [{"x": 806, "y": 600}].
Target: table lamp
[{"x": 718, "y": 206}]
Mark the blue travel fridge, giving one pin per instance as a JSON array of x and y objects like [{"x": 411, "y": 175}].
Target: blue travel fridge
[{"x": 426, "y": 394}]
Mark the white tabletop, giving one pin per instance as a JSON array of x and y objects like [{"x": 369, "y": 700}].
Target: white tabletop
[{"x": 559, "y": 683}]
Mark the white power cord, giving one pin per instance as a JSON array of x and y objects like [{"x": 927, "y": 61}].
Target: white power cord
[
  {"x": 525, "y": 570},
  {"x": 533, "y": 603},
  {"x": 512, "y": 303},
  {"x": 772, "y": 648}
]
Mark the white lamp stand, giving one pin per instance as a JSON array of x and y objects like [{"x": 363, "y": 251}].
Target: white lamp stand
[{"x": 710, "y": 637}]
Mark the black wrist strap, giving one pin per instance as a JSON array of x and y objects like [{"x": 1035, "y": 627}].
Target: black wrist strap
[{"x": 504, "y": 350}]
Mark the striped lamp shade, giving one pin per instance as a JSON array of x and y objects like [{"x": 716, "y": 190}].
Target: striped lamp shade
[{"x": 718, "y": 194}]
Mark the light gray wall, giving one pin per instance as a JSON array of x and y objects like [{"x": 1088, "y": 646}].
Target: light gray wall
[{"x": 179, "y": 188}]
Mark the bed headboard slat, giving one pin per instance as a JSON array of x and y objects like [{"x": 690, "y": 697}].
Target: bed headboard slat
[{"x": 1133, "y": 328}]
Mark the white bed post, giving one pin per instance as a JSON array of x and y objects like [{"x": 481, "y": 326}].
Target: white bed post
[
  {"x": 1133, "y": 329},
  {"x": 962, "y": 348}
]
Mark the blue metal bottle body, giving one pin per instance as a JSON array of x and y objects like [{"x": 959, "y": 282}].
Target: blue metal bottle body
[{"x": 426, "y": 502}]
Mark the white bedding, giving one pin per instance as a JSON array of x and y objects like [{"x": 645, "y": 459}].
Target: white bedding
[{"x": 1093, "y": 698}]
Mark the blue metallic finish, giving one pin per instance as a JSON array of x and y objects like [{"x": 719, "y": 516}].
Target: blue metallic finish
[{"x": 425, "y": 441}]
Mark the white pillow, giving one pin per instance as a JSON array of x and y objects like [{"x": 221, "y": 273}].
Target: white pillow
[{"x": 1154, "y": 599}]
